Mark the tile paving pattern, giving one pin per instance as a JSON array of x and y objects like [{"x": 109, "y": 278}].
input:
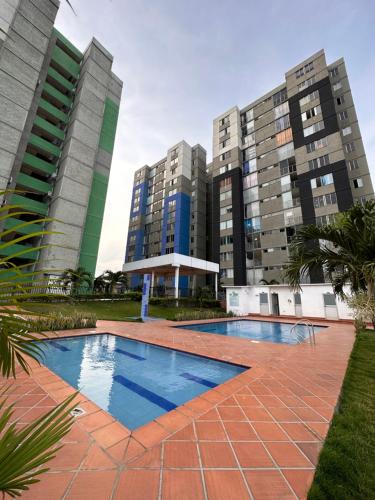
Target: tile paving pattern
[{"x": 257, "y": 436}]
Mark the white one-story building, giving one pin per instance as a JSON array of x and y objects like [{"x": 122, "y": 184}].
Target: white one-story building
[{"x": 313, "y": 301}]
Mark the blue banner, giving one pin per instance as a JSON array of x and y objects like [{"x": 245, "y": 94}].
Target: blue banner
[{"x": 145, "y": 295}]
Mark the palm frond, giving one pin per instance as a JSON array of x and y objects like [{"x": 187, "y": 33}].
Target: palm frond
[{"x": 23, "y": 452}]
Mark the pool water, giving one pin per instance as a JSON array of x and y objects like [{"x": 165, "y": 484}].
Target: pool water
[
  {"x": 265, "y": 331},
  {"x": 134, "y": 381}
]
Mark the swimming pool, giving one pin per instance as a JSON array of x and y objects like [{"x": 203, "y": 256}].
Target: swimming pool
[
  {"x": 134, "y": 381},
  {"x": 265, "y": 331}
]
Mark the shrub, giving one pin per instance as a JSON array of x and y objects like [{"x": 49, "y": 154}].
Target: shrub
[
  {"x": 363, "y": 307},
  {"x": 196, "y": 315},
  {"x": 61, "y": 321},
  {"x": 185, "y": 302}
]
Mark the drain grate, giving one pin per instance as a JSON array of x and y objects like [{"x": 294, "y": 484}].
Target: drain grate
[{"x": 77, "y": 412}]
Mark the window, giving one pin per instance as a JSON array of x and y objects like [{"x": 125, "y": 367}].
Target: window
[
  {"x": 252, "y": 209},
  {"x": 250, "y": 195},
  {"x": 353, "y": 164},
  {"x": 323, "y": 220},
  {"x": 280, "y": 97},
  {"x": 340, "y": 100},
  {"x": 224, "y": 156},
  {"x": 326, "y": 199},
  {"x": 282, "y": 123},
  {"x": 252, "y": 225},
  {"x": 349, "y": 147},
  {"x": 305, "y": 69},
  {"x": 224, "y": 120},
  {"x": 169, "y": 250},
  {"x": 310, "y": 113},
  {"x": 324, "y": 180},
  {"x": 322, "y": 161},
  {"x": 225, "y": 256},
  {"x": 282, "y": 109},
  {"x": 248, "y": 128},
  {"x": 346, "y": 131},
  {"x": 320, "y": 143},
  {"x": 343, "y": 115},
  {"x": 248, "y": 140},
  {"x": 250, "y": 180},
  {"x": 334, "y": 71},
  {"x": 316, "y": 127},
  {"x": 223, "y": 132},
  {"x": 287, "y": 199},
  {"x": 358, "y": 183},
  {"x": 309, "y": 97},
  {"x": 285, "y": 151},
  {"x": 170, "y": 238},
  {"x": 284, "y": 137},
  {"x": 226, "y": 195},
  {"x": 249, "y": 166},
  {"x": 226, "y": 210},
  {"x": 226, "y": 273},
  {"x": 224, "y": 183},
  {"x": 226, "y": 240},
  {"x": 306, "y": 83},
  {"x": 225, "y": 168},
  {"x": 249, "y": 153},
  {"x": 226, "y": 224},
  {"x": 337, "y": 86},
  {"x": 287, "y": 166},
  {"x": 225, "y": 143}
]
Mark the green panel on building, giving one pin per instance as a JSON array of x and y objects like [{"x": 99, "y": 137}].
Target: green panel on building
[
  {"x": 93, "y": 225},
  {"x": 108, "y": 131}
]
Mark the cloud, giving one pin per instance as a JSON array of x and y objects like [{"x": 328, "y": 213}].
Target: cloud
[{"x": 184, "y": 63}]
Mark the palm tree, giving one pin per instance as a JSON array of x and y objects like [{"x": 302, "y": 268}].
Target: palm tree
[
  {"x": 23, "y": 452},
  {"x": 99, "y": 284},
  {"x": 345, "y": 250},
  {"x": 271, "y": 282},
  {"x": 114, "y": 278},
  {"x": 76, "y": 278}
]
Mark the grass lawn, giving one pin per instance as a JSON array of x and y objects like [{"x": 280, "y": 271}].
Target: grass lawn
[
  {"x": 117, "y": 310},
  {"x": 346, "y": 468}
]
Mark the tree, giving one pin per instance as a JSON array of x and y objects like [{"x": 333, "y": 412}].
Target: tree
[
  {"x": 99, "y": 284},
  {"x": 271, "y": 282},
  {"x": 76, "y": 278},
  {"x": 23, "y": 452},
  {"x": 115, "y": 278},
  {"x": 345, "y": 250}
]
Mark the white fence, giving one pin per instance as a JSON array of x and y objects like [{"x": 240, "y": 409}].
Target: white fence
[{"x": 314, "y": 301}]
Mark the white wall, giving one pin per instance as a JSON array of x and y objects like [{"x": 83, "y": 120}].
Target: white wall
[{"x": 243, "y": 300}]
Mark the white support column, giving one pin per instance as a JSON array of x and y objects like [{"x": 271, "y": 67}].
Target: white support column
[
  {"x": 176, "y": 280},
  {"x": 152, "y": 283},
  {"x": 216, "y": 285}
]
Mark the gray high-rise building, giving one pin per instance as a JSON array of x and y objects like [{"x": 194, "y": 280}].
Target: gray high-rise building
[
  {"x": 292, "y": 157},
  {"x": 58, "y": 118},
  {"x": 169, "y": 211}
]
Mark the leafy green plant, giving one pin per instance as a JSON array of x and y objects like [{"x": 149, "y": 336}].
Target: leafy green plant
[
  {"x": 59, "y": 321},
  {"x": 363, "y": 308},
  {"x": 345, "y": 250},
  {"x": 23, "y": 451},
  {"x": 203, "y": 314},
  {"x": 74, "y": 279}
]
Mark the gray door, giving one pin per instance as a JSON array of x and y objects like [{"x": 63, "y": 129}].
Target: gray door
[
  {"x": 297, "y": 305},
  {"x": 275, "y": 304},
  {"x": 330, "y": 307},
  {"x": 263, "y": 303}
]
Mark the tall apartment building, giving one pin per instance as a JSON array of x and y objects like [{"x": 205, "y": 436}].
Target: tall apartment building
[
  {"x": 169, "y": 210},
  {"x": 58, "y": 118},
  {"x": 294, "y": 156}
]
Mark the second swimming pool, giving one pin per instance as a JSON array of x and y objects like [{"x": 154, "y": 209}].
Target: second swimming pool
[{"x": 265, "y": 331}]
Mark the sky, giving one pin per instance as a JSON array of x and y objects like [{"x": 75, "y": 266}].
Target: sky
[{"x": 184, "y": 62}]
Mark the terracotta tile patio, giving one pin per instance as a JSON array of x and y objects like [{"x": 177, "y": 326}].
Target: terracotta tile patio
[{"x": 256, "y": 436}]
